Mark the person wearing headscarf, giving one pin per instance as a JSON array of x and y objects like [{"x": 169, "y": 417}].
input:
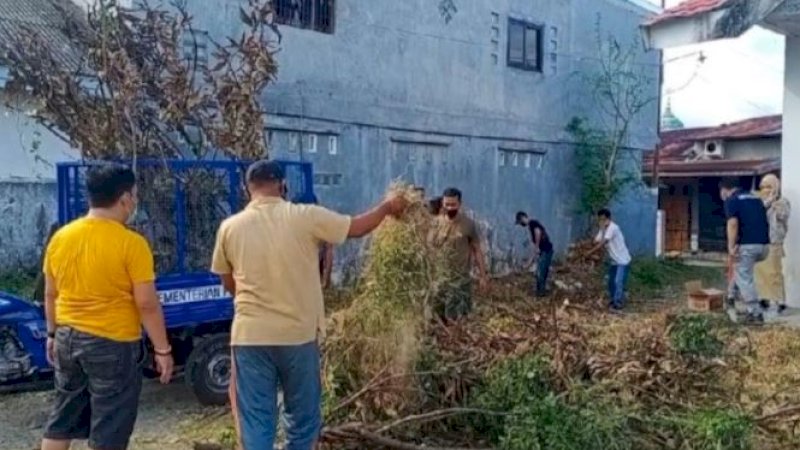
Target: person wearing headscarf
[{"x": 769, "y": 273}]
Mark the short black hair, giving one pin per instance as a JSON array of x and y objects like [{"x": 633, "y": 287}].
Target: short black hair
[
  {"x": 263, "y": 172},
  {"x": 435, "y": 206},
  {"x": 520, "y": 215},
  {"x": 728, "y": 183},
  {"x": 452, "y": 192},
  {"x": 106, "y": 183},
  {"x": 604, "y": 213}
]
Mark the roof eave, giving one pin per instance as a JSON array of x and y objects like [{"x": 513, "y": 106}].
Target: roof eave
[{"x": 679, "y": 31}]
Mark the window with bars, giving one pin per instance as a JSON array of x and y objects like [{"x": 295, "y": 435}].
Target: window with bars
[
  {"x": 525, "y": 45},
  {"x": 195, "y": 47},
  {"x": 317, "y": 15}
]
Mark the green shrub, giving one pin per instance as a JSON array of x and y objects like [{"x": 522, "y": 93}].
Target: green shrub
[
  {"x": 711, "y": 429},
  {"x": 695, "y": 335}
]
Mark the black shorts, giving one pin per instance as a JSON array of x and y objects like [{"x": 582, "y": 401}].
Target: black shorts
[{"x": 98, "y": 382}]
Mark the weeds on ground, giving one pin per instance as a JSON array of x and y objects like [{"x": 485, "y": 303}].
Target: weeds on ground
[
  {"x": 654, "y": 278},
  {"x": 695, "y": 335}
]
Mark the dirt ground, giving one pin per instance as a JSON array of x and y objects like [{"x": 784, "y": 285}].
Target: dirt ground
[{"x": 169, "y": 419}]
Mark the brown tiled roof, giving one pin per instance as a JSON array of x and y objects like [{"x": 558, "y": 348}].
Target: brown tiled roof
[
  {"x": 46, "y": 19},
  {"x": 688, "y": 8},
  {"x": 674, "y": 144},
  {"x": 720, "y": 167}
]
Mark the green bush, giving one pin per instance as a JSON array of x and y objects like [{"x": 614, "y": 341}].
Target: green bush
[
  {"x": 18, "y": 282},
  {"x": 711, "y": 429},
  {"x": 555, "y": 423},
  {"x": 695, "y": 335},
  {"x": 512, "y": 384},
  {"x": 537, "y": 418}
]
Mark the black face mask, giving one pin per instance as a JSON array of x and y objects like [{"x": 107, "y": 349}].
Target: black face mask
[{"x": 452, "y": 213}]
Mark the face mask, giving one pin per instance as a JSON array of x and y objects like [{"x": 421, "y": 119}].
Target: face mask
[{"x": 452, "y": 213}]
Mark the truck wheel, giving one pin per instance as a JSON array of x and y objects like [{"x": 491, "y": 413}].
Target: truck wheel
[{"x": 208, "y": 370}]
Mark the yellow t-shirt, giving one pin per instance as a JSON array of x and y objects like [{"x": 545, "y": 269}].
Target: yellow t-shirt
[
  {"x": 272, "y": 250},
  {"x": 95, "y": 264}
]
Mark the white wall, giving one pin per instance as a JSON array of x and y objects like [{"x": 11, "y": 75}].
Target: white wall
[
  {"x": 791, "y": 165},
  {"x": 28, "y": 152}
]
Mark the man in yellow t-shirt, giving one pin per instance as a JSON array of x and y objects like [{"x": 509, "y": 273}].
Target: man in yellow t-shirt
[
  {"x": 268, "y": 255},
  {"x": 99, "y": 292}
]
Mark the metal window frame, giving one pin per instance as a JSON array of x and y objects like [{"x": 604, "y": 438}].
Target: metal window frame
[
  {"x": 296, "y": 21},
  {"x": 527, "y": 27}
]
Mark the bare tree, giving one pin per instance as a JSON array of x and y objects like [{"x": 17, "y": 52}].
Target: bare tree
[
  {"x": 620, "y": 90},
  {"x": 147, "y": 83}
]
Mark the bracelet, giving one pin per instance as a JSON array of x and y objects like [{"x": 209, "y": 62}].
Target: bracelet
[{"x": 166, "y": 352}]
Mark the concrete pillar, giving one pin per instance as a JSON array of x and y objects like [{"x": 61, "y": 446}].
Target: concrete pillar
[
  {"x": 694, "y": 218},
  {"x": 790, "y": 162}
]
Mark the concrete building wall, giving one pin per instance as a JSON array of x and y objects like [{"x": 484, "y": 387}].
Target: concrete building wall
[
  {"x": 400, "y": 93},
  {"x": 791, "y": 164},
  {"x": 753, "y": 149},
  {"x": 28, "y": 153}
]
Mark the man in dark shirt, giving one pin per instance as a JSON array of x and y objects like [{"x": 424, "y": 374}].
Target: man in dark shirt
[
  {"x": 748, "y": 240},
  {"x": 542, "y": 244}
]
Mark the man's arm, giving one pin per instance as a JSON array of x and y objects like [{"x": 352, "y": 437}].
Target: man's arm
[
  {"x": 537, "y": 236},
  {"x": 732, "y": 229},
  {"x": 50, "y": 295},
  {"x": 228, "y": 283},
  {"x": 151, "y": 314},
  {"x": 477, "y": 254},
  {"x": 327, "y": 265},
  {"x": 365, "y": 223}
]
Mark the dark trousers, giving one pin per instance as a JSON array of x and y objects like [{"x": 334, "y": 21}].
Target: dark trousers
[{"x": 543, "y": 271}]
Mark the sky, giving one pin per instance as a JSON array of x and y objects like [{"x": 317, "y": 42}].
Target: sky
[{"x": 740, "y": 78}]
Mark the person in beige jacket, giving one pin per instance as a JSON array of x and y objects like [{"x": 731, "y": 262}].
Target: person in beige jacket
[{"x": 769, "y": 273}]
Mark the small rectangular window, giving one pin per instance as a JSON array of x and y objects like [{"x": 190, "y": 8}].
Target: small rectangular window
[
  {"x": 527, "y": 160},
  {"x": 317, "y": 15},
  {"x": 311, "y": 143},
  {"x": 514, "y": 159},
  {"x": 195, "y": 48},
  {"x": 294, "y": 142},
  {"x": 525, "y": 45},
  {"x": 333, "y": 145},
  {"x": 501, "y": 158}
]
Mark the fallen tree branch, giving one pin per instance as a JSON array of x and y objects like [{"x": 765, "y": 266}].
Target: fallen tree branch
[
  {"x": 788, "y": 411},
  {"x": 352, "y": 431},
  {"x": 438, "y": 414}
]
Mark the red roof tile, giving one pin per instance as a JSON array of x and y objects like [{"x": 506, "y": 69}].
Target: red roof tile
[
  {"x": 674, "y": 145},
  {"x": 688, "y": 8}
]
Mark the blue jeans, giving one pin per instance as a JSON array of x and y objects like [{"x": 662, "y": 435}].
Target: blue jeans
[
  {"x": 259, "y": 371},
  {"x": 617, "y": 278},
  {"x": 749, "y": 255},
  {"x": 543, "y": 271}
]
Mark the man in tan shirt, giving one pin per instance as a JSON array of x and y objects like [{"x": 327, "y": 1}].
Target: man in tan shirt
[{"x": 268, "y": 255}]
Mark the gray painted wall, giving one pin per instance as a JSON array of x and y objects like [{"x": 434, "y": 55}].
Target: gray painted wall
[
  {"x": 28, "y": 210},
  {"x": 753, "y": 148},
  {"x": 404, "y": 94}
]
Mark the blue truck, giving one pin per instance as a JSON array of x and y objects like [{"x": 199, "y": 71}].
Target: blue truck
[{"x": 181, "y": 203}]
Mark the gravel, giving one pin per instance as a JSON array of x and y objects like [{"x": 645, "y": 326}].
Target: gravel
[{"x": 169, "y": 418}]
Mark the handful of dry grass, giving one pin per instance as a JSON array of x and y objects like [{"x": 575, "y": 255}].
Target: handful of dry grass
[{"x": 379, "y": 336}]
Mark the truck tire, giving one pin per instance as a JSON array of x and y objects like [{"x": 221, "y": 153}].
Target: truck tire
[{"x": 208, "y": 370}]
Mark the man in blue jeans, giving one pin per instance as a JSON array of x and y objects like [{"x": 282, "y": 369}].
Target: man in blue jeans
[
  {"x": 747, "y": 230},
  {"x": 541, "y": 244},
  {"x": 268, "y": 256},
  {"x": 610, "y": 236}
]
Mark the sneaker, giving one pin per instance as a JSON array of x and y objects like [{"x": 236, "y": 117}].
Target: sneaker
[
  {"x": 754, "y": 318},
  {"x": 764, "y": 304}
]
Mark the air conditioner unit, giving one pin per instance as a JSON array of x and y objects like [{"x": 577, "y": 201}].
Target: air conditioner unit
[{"x": 713, "y": 149}]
